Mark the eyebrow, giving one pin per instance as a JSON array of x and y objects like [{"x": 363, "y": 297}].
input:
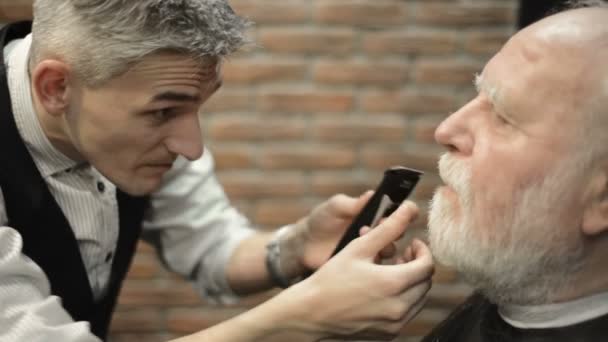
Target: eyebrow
[
  {"x": 175, "y": 97},
  {"x": 491, "y": 91}
]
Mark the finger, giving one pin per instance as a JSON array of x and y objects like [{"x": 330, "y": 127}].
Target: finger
[
  {"x": 390, "y": 230},
  {"x": 414, "y": 294},
  {"x": 419, "y": 269},
  {"x": 408, "y": 254},
  {"x": 421, "y": 251},
  {"x": 346, "y": 207},
  {"x": 364, "y": 230},
  {"x": 388, "y": 251},
  {"x": 414, "y": 311}
]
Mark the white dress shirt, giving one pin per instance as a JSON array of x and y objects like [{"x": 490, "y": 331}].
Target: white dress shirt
[{"x": 196, "y": 226}]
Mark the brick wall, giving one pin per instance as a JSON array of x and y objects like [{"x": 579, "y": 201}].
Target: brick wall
[{"x": 334, "y": 92}]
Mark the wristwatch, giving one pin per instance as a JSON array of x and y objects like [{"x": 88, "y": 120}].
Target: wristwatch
[{"x": 273, "y": 260}]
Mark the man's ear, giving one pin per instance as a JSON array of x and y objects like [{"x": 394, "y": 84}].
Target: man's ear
[
  {"x": 50, "y": 82},
  {"x": 595, "y": 217}
]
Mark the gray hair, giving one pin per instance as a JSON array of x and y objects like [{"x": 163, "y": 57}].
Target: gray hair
[
  {"x": 102, "y": 39},
  {"x": 572, "y": 4}
]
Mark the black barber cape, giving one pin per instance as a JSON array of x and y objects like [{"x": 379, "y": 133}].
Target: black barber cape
[
  {"x": 477, "y": 320},
  {"x": 47, "y": 236}
]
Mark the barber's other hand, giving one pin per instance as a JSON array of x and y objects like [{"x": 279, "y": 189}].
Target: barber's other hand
[
  {"x": 321, "y": 230},
  {"x": 351, "y": 296}
]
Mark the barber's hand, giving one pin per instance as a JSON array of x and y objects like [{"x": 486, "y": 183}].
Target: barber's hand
[
  {"x": 321, "y": 230},
  {"x": 351, "y": 296}
]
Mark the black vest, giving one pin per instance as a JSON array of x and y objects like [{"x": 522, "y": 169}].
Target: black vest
[{"x": 47, "y": 236}]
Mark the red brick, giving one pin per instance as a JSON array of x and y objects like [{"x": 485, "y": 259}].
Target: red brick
[
  {"x": 485, "y": 43},
  {"x": 418, "y": 42},
  {"x": 467, "y": 15},
  {"x": 144, "y": 266},
  {"x": 306, "y": 101},
  {"x": 137, "y": 320},
  {"x": 328, "y": 184},
  {"x": 361, "y": 12},
  {"x": 258, "y": 185},
  {"x": 232, "y": 157},
  {"x": 226, "y": 100},
  {"x": 384, "y": 157},
  {"x": 307, "y": 157},
  {"x": 272, "y": 11},
  {"x": 182, "y": 293},
  {"x": 338, "y": 72},
  {"x": 448, "y": 72},
  {"x": 358, "y": 129},
  {"x": 145, "y": 248},
  {"x": 247, "y": 71},
  {"x": 307, "y": 41},
  {"x": 424, "y": 130},
  {"x": 280, "y": 212},
  {"x": 245, "y": 127},
  {"x": 21, "y": 10},
  {"x": 410, "y": 102},
  {"x": 187, "y": 321},
  {"x": 130, "y": 337},
  {"x": 142, "y": 293},
  {"x": 426, "y": 187}
]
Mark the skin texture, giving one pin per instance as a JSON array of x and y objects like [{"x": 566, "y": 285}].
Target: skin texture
[
  {"x": 133, "y": 127},
  {"x": 523, "y": 214}
]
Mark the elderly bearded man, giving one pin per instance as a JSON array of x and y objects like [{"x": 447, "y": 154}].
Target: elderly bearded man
[{"x": 523, "y": 215}]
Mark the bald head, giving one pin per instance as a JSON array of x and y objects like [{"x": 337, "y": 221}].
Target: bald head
[{"x": 579, "y": 38}]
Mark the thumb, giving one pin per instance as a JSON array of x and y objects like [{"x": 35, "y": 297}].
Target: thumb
[
  {"x": 361, "y": 201},
  {"x": 391, "y": 229},
  {"x": 348, "y": 207}
]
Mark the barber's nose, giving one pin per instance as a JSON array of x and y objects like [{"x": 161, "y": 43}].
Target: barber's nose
[
  {"x": 185, "y": 138},
  {"x": 455, "y": 131}
]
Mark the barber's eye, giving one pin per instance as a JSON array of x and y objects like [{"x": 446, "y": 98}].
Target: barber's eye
[{"x": 162, "y": 115}]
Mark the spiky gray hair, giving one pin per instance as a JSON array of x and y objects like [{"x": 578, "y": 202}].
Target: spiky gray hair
[
  {"x": 101, "y": 39},
  {"x": 572, "y": 4}
]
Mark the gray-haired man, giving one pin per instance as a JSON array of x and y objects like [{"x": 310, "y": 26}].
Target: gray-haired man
[
  {"x": 99, "y": 136},
  {"x": 524, "y": 213}
]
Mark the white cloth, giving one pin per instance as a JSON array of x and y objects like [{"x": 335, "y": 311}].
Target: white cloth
[
  {"x": 197, "y": 227},
  {"x": 557, "y": 314}
]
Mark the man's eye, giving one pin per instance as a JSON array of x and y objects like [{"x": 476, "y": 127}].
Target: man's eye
[{"x": 162, "y": 115}]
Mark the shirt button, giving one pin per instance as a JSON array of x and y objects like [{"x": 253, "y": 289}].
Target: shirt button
[
  {"x": 109, "y": 257},
  {"x": 101, "y": 187}
]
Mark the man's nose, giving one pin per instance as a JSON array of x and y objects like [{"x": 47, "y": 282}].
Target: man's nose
[
  {"x": 185, "y": 138},
  {"x": 455, "y": 131}
]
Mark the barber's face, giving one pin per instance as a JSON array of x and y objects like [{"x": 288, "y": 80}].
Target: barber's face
[
  {"x": 509, "y": 215},
  {"x": 134, "y": 127}
]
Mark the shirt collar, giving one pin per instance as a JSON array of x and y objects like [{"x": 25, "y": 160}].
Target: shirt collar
[
  {"x": 556, "y": 314},
  {"x": 48, "y": 159}
]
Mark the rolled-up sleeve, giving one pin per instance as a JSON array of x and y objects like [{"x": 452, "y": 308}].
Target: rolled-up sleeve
[{"x": 195, "y": 228}]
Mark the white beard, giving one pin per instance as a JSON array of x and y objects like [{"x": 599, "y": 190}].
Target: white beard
[{"x": 527, "y": 255}]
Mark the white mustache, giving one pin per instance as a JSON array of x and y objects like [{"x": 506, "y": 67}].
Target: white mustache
[{"x": 456, "y": 174}]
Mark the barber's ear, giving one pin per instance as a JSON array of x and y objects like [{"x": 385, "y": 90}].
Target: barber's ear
[
  {"x": 50, "y": 80},
  {"x": 595, "y": 218}
]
